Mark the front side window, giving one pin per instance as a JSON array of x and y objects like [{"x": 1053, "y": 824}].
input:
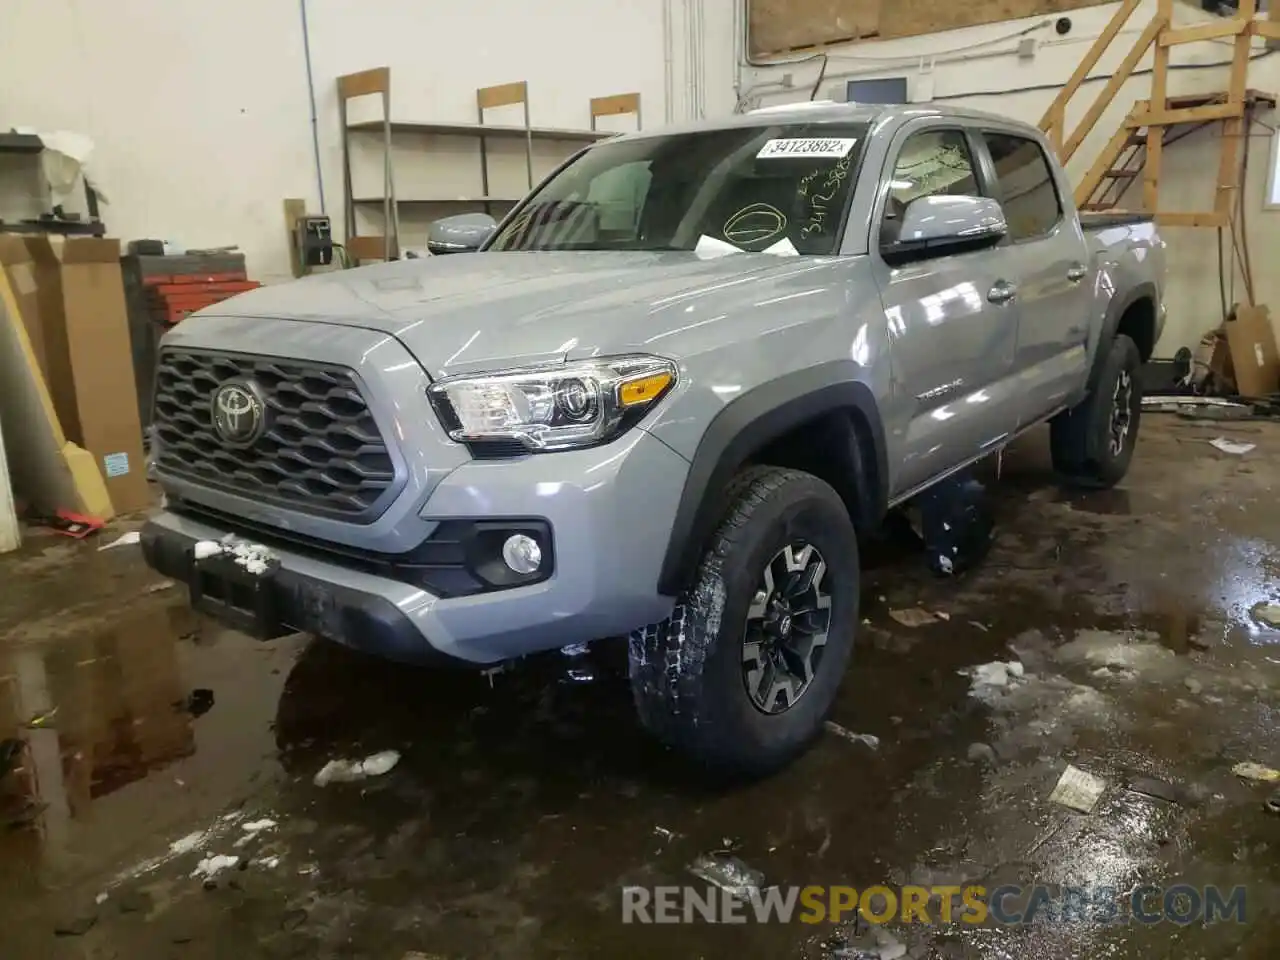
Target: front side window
[
  {"x": 931, "y": 163},
  {"x": 1024, "y": 185},
  {"x": 777, "y": 186}
]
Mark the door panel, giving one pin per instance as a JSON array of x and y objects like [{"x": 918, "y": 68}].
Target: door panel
[
  {"x": 952, "y": 353},
  {"x": 953, "y": 331},
  {"x": 1048, "y": 255}
]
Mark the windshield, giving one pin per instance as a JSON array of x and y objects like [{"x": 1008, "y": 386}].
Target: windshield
[{"x": 779, "y": 187}]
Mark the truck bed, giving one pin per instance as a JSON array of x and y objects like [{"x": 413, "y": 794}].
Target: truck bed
[{"x": 1100, "y": 219}]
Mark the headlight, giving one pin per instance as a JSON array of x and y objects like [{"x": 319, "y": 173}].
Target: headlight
[{"x": 553, "y": 408}]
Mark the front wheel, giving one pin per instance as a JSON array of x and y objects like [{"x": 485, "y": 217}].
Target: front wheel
[
  {"x": 1092, "y": 443},
  {"x": 742, "y": 674}
]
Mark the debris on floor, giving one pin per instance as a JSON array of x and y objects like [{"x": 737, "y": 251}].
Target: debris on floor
[
  {"x": 998, "y": 673},
  {"x": 982, "y": 753},
  {"x": 871, "y": 942},
  {"x": 75, "y": 926},
  {"x": 1078, "y": 790},
  {"x": 197, "y": 703},
  {"x": 349, "y": 771},
  {"x": 1170, "y": 403},
  {"x": 252, "y": 829},
  {"x": 1232, "y": 446},
  {"x": 1157, "y": 789},
  {"x": 664, "y": 833},
  {"x": 124, "y": 540},
  {"x": 210, "y": 867},
  {"x": 42, "y": 719},
  {"x": 1256, "y": 772},
  {"x": 845, "y": 733},
  {"x": 729, "y": 874},
  {"x": 913, "y": 617},
  {"x": 192, "y": 841},
  {"x": 1266, "y": 613}
]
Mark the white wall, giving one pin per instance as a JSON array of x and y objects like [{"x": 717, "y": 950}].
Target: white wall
[
  {"x": 202, "y": 119},
  {"x": 979, "y": 67},
  {"x": 201, "y": 116}
]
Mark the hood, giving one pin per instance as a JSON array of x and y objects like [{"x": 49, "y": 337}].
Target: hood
[{"x": 468, "y": 312}]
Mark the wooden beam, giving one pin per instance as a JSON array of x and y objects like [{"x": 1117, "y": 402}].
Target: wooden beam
[
  {"x": 10, "y": 532},
  {"x": 1057, "y": 109},
  {"x": 1163, "y": 118},
  {"x": 1113, "y": 86},
  {"x": 1106, "y": 158},
  {"x": 294, "y": 208},
  {"x": 377, "y": 80},
  {"x": 1054, "y": 131},
  {"x": 369, "y": 248},
  {"x": 1212, "y": 219},
  {"x": 1233, "y": 130},
  {"x": 1207, "y": 31},
  {"x": 503, "y": 95},
  {"x": 1267, "y": 29},
  {"x": 1159, "y": 104}
]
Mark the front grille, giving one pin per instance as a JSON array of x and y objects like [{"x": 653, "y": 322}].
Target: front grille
[{"x": 321, "y": 451}]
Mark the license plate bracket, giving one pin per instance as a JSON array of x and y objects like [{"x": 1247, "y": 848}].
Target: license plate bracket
[{"x": 228, "y": 592}]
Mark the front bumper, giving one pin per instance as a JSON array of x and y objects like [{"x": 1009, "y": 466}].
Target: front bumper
[{"x": 609, "y": 510}]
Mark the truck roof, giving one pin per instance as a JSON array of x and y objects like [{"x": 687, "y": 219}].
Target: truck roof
[{"x": 830, "y": 111}]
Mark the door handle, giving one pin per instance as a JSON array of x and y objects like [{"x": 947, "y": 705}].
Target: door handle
[
  {"x": 1076, "y": 273},
  {"x": 1002, "y": 292}
]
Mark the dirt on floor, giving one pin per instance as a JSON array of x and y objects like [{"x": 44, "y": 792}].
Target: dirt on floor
[{"x": 157, "y": 772}]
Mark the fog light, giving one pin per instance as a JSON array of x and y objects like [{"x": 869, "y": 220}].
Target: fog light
[{"x": 522, "y": 554}]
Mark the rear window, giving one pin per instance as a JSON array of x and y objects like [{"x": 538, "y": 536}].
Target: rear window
[
  {"x": 1025, "y": 185},
  {"x": 754, "y": 188}
]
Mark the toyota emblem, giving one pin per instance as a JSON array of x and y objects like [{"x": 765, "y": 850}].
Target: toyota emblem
[{"x": 239, "y": 415}]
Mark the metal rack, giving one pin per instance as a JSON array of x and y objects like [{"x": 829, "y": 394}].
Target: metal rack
[{"x": 378, "y": 81}]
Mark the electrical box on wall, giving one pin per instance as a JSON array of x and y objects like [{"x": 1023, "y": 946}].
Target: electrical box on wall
[{"x": 314, "y": 239}]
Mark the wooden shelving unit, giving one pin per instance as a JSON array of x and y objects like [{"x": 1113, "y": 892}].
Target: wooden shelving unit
[{"x": 378, "y": 82}]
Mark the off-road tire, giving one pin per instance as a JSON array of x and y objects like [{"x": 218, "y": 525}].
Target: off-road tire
[
  {"x": 687, "y": 671},
  {"x": 1081, "y": 438}
]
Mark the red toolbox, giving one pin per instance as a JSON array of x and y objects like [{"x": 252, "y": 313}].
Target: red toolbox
[{"x": 163, "y": 290}]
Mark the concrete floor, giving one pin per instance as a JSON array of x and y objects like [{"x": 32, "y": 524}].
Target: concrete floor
[{"x": 520, "y": 808}]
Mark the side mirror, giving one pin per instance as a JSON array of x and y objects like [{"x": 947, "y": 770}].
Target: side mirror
[
  {"x": 464, "y": 233},
  {"x": 939, "y": 225}
]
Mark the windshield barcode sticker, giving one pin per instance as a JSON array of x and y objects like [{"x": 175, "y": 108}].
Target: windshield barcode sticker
[{"x": 833, "y": 147}]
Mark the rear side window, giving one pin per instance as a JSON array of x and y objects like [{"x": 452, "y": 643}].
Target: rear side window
[{"x": 1024, "y": 184}]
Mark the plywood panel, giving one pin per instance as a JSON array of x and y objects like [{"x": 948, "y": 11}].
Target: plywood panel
[
  {"x": 778, "y": 26},
  {"x": 910, "y": 18},
  {"x": 10, "y": 536},
  {"x": 44, "y": 469}
]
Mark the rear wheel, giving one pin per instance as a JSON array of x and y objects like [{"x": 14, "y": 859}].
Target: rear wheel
[
  {"x": 742, "y": 674},
  {"x": 1093, "y": 443}
]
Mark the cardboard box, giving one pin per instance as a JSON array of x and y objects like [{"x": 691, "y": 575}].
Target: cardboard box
[
  {"x": 87, "y": 351},
  {"x": 21, "y": 271},
  {"x": 1253, "y": 352}
]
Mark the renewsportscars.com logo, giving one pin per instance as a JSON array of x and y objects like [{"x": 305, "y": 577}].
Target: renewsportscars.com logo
[{"x": 1180, "y": 904}]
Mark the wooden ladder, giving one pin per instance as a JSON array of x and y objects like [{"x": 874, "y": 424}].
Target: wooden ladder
[{"x": 1136, "y": 148}]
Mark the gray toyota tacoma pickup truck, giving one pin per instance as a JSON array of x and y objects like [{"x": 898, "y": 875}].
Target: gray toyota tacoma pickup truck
[{"x": 661, "y": 400}]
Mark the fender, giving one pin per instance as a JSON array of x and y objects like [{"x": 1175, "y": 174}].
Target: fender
[
  {"x": 1111, "y": 323},
  {"x": 748, "y": 424}
]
